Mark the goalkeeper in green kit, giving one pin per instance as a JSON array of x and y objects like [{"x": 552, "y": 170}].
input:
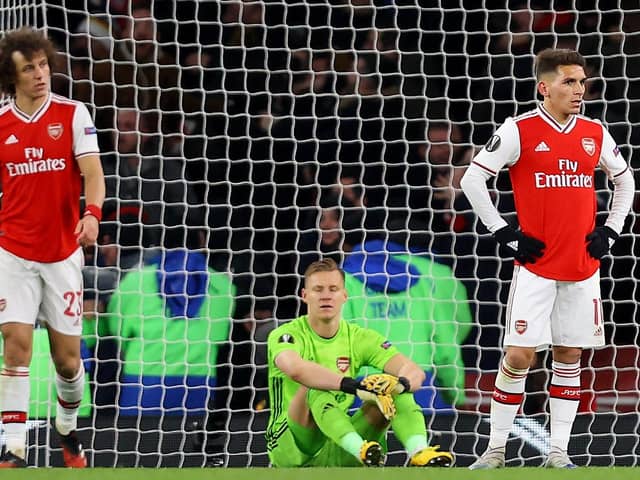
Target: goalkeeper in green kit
[{"x": 312, "y": 362}]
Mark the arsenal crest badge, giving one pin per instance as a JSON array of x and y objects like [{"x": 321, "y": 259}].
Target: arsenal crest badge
[
  {"x": 55, "y": 130},
  {"x": 343, "y": 363},
  {"x": 589, "y": 145},
  {"x": 521, "y": 326}
]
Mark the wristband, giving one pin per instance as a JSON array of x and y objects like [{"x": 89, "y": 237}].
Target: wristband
[
  {"x": 349, "y": 385},
  {"x": 94, "y": 211},
  {"x": 405, "y": 383}
]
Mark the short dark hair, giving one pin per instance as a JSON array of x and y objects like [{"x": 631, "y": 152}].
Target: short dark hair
[
  {"x": 549, "y": 59},
  {"x": 324, "y": 265},
  {"x": 27, "y": 41}
]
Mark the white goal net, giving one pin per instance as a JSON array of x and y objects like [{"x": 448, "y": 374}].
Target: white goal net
[{"x": 275, "y": 132}]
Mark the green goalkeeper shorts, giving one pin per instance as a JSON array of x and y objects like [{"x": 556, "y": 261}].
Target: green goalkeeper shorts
[{"x": 308, "y": 447}]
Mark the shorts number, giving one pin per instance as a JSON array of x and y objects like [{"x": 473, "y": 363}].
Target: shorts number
[{"x": 74, "y": 303}]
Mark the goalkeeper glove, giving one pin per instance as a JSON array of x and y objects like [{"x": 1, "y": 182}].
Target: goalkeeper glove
[
  {"x": 384, "y": 402},
  {"x": 525, "y": 249},
  {"x": 385, "y": 384},
  {"x": 600, "y": 241}
]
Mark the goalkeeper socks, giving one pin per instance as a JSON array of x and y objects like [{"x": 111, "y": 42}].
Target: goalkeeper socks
[
  {"x": 507, "y": 397},
  {"x": 408, "y": 424},
  {"x": 564, "y": 398},
  {"x": 69, "y": 398},
  {"x": 352, "y": 443},
  {"x": 14, "y": 404}
]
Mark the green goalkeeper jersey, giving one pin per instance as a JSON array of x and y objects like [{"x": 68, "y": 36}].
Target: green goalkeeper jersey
[{"x": 352, "y": 348}]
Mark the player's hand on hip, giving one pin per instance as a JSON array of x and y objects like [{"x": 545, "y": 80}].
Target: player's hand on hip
[
  {"x": 524, "y": 248},
  {"x": 600, "y": 241},
  {"x": 87, "y": 230}
]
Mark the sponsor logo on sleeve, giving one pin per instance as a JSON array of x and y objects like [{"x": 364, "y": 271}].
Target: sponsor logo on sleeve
[
  {"x": 286, "y": 338},
  {"x": 493, "y": 144},
  {"x": 386, "y": 344},
  {"x": 616, "y": 151},
  {"x": 90, "y": 130}
]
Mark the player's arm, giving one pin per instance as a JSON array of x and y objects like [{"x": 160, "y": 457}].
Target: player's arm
[
  {"x": 502, "y": 149},
  {"x": 87, "y": 156},
  {"x": 309, "y": 374},
  {"x": 94, "y": 192},
  {"x": 402, "y": 366},
  {"x": 611, "y": 161}
]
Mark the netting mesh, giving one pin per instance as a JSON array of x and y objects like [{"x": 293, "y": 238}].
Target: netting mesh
[{"x": 277, "y": 132}]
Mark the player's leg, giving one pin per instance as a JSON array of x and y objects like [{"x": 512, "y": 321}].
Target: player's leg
[
  {"x": 299, "y": 439},
  {"x": 21, "y": 294},
  {"x": 62, "y": 310},
  {"x": 576, "y": 322},
  {"x": 531, "y": 300},
  {"x": 337, "y": 426},
  {"x": 368, "y": 423},
  {"x": 410, "y": 429},
  {"x": 14, "y": 391}
]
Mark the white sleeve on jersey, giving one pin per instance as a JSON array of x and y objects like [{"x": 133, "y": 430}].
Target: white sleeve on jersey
[
  {"x": 85, "y": 138},
  {"x": 618, "y": 171},
  {"x": 502, "y": 149}
]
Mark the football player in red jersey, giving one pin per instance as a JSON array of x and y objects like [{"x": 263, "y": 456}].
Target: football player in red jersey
[
  {"x": 551, "y": 153},
  {"x": 48, "y": 153}
]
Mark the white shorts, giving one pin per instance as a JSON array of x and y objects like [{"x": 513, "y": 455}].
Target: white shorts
[
  {"x": 49, "y": 292},
  {"x": 543, "y": 312}
]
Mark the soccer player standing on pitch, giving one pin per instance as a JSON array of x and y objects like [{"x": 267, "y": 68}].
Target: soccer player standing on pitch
[
  {"x": 48, "y": 149},
  {"x": 551, "y": 153},
  {"x": 312, "y": 361}
]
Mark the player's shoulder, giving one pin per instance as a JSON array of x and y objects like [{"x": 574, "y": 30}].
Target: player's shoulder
[
  {"x": 6, "y": 113},
  {"x": 528, "y": 115},
  {"x": 295, "y": 326},
  {"x": 64, "y": 102},
  {"x": 593, "y": 121}
]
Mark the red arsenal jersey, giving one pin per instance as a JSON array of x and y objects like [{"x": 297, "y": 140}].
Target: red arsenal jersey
[
  {"x": 41, "y": 180},
  {"x": 552, "y": 169},
  {"x": 553, "y": 187}
]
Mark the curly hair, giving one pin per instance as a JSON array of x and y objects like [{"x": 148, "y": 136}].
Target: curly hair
[{"x": 27, "y": 41}]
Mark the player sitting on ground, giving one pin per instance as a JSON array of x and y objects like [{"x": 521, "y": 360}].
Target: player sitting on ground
[{"x": 312, "y": 361}]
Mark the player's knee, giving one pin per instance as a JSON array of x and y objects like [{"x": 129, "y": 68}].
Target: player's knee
[
  {"x": 374, "y": 416},
  {"x": 567, "y": 354},
  {"x": 519, "y": 358},
  {"x": 67, "y": 367}
]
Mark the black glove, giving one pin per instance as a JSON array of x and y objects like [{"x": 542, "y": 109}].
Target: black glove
[
  {"x": 525, "y": 249},
  {"x": 600, "y": 241}
]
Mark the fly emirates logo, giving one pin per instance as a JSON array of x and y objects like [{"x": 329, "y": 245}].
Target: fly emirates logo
[
  {"x": 567, "y": 178},
  {"x": 35, "y": 163}
]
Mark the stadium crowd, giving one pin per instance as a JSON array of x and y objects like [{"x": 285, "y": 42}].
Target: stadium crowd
[{"x": 274, "y": 134}]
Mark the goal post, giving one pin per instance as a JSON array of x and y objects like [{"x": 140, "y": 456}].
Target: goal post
[{"x": 273, "y": 132}]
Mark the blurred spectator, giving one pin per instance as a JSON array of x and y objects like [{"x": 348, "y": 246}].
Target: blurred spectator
[
  {"x": 419, "y": 306},
  {"x": 339, "y": 226},
  {"x": 138, "y": 172},
  {"x": 170, "y": 318},
  {"x": 122, "y": 242}
]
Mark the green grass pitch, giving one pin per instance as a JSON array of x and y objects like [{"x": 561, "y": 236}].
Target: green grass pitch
[{"x": 320, "y": 474}]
